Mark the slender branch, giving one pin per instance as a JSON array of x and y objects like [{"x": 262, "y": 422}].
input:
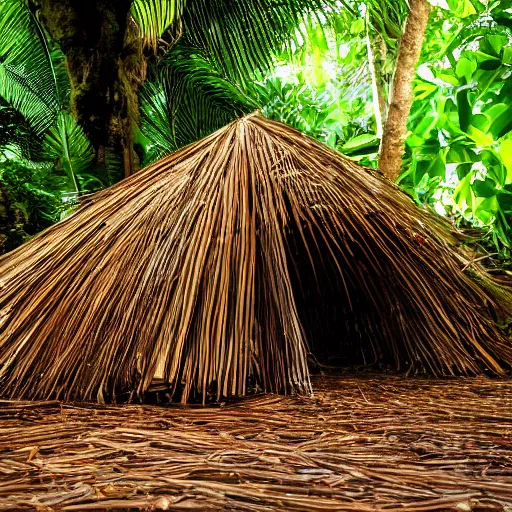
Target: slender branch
[{"x": 376, "y": 49}]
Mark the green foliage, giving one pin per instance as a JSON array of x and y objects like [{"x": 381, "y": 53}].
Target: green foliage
[
  {"x": 460, "y": 138},
  {"x": 27, "y": 75},
  {"x": 323, "y": 88},
  {"x": 33, "y": 192},
  {"x": 154, "y": 17},
  {"x": 38, "y": 136},
  {"x": 67, "y": 145},
  {"x": 15, "y": 132},
  {"x": 316, "y": 84},
  {"x": 387, "y": 19},
  {"x": 304, "y": 62},
  {"x": 238, "y": 37},
  {"x": 185, "y": 99}
]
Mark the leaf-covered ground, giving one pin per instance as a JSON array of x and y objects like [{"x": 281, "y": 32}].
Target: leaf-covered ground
[{"x": 360, "y": 443}]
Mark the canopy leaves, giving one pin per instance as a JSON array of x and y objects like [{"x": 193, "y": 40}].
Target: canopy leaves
[
  {"x": 28, "y": 79},
  {"x": 154, "y": 17}
]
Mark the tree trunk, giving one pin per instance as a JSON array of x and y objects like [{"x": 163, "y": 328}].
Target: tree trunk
[
  {"x": 104, "y": 67},
  {"x": 395, "y": 130},
  {"x": 376, "y": 49}
]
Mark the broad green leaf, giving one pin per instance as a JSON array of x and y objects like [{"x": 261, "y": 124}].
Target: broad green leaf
[
  {"x": 507, "y": 55},
  {"x": 482, "y": 122},
  {"x": 448, "y": 78},
  {"x": 464, "y": 170},
  {"x": 465, "y": 68},
  {"x": 496, "y": 42},
  {"x": 358, "y": 26},
  {"x": 484, "y": 57},
  {"x": 487, "y": 45},
  {"x": 465, "y": 110},
  {"x": 437, "y": 167},
  {"x": 481, "y": 139},
  {"x": 490, "y": 65},
  {"x": 493, "y": 164},
  {"x": 420, "y": 176},
  {"x": 486, "y": 188},
  {"x": 415, "y": 141},
  {"x": 506, "y": 157},
  {"x": 462, "y": 8},
  {"x": 501, "y": 117},
  {"x": 460, "y": 154},
  {"x": 422, "y": 90},
  {"x": 463, "y": 194},
  {"x": 426, "y": 125},
  {"x": 361, "y": 142},
  {"x": 505, "y": 201},
  {"x": 485, "y": 208},
  {"x": 450, "y": 105}
]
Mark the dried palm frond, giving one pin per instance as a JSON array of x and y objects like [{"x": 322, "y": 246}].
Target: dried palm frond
[{"x": 223, "y": 264}]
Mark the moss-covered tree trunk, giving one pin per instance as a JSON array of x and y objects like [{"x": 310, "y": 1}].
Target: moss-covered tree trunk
[
  {"x": 105, "y": 68},
  {"x": 395, "y": 129}
]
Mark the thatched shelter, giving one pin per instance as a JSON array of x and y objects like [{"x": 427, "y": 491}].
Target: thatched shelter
[{"x": 221, "y": 267}]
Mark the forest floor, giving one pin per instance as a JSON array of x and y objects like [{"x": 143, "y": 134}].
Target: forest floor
[{"x": 358, "y": 444}]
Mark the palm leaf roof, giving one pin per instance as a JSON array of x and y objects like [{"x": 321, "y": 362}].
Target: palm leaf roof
[{"x": 225, "y": 264}]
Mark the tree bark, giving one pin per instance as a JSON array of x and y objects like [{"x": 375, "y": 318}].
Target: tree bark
[
  {"x": 395, "y": 129},
  {"x": 376, "y": 49},
  {"x": 104, "y": 67}
]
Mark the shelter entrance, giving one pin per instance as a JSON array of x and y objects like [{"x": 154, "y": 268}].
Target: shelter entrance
[{"x": 334, "y": 312}]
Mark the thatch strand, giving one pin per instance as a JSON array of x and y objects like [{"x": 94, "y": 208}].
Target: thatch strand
[
  {"x": 223, "y": 264},
  {"x": 362, "y": 443}
]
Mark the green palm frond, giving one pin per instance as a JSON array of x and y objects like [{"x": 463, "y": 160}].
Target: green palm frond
[
  {"x": 387, "y": 18},
  {"x": 207, "y": 80},
  {"x": 154, "y": 17},
  {"x": 187, "y": 99},
  {"x": 16, "y": 134},
  {"x": 57, "y": 61},
  {"x": 114, "y": 171},
  {"x": 28, "y": 78},
  {"x": 240, "y": 36},
  {"x": 156, "y": 117},
  {"x": 67, "y": 144}
]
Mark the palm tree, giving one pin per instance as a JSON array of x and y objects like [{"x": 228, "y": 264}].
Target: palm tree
[{"x": 108, "y": 44}]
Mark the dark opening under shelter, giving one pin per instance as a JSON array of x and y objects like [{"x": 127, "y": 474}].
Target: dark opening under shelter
[{"x": 223, "y": 267}]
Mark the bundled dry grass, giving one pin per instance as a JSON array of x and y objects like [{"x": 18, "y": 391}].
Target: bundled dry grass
[{"x": 219, "y": 268}]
